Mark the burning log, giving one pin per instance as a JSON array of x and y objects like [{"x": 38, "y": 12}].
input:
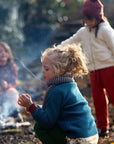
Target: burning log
[
  {"x": 10, "y": 131},
  {"x": 12, "y": 125},
  {"x": 4, "y": 125}
]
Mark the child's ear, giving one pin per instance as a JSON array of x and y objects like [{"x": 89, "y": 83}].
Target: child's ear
[{"x": 62, "y": 71}]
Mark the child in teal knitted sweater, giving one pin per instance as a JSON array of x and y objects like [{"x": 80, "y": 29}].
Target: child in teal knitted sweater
[{"x": 65, "y": 112}]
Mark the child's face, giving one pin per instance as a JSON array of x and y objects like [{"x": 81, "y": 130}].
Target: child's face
[
  {"x": 3, "y": 56},
  {"x": 90, "y": 23},
  {"x": 47, "y": 71}
]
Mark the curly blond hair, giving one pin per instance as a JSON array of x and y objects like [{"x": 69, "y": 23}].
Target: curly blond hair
[{"x": 68, "y": 57}]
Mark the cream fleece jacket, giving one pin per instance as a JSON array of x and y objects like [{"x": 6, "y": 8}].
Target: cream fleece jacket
[{"x": 100, "y": 50}]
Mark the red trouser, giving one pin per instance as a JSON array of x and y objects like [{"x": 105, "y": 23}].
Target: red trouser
[{"x": 102, "y": 82}]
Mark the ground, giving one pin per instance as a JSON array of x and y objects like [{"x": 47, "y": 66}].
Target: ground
[{"x": 25, "y": 134}]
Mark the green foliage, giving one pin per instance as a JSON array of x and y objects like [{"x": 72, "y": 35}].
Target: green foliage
[
  {"x": 18, "y": 15},
  {"x": 42, "y": 11},
  {"x": 10, "y": 27}
]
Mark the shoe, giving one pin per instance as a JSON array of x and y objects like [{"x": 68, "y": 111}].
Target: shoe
[{"x": 103, "y": 133}]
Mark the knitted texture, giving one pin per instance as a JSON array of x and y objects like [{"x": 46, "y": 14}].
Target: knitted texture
[
  {"x": 56, "y": 81},
  {"x": 93, "y": 8}
]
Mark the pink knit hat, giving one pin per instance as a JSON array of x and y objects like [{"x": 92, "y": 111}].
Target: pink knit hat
[{"x": 93, "y": 8}]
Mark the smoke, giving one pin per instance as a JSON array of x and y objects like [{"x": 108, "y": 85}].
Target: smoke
[
  {"x": 33, "y": 87},
  {"x": 7, "y": 107},
  {"x": 26, "y": 49}
]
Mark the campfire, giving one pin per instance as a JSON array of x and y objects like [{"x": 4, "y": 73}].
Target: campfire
[
  {"x": 11, "y": 119},
  {"x": 12, "y": 124}
]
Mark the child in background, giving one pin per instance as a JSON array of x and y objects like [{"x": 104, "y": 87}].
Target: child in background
[
  {"x": 65, "y": 112},
  {"x": 97, "y": 40},
  {"x": 8, "y": 77}
]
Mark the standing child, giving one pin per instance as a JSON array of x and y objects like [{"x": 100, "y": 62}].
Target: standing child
[
  {"x": 65, "y": 111},
  {"x": 97, "y": 40},
  {"x": 8, "y": 77}
]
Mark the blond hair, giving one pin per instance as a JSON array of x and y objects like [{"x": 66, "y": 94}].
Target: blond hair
[
  {"x": 7, "y": 48},
  {"x": 68, "y": 57}
]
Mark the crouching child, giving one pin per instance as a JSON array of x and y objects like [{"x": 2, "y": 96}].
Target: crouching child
[{"x": 65, "y": 112}]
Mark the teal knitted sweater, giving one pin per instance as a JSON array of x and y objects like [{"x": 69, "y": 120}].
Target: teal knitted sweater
[{"x": 67, "y": 108}]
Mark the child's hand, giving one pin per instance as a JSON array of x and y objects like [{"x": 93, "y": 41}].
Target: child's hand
[
  {"x": 25, "y": 111},
  {"x": 4, "y": 84},
  {"x": 25, "y": 101}
]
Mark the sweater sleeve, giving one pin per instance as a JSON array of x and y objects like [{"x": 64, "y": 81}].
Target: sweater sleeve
[
  {"x": 47, "y": 118},
  {"x": 32, "y": 108},
  {"x": 76, "y": 38},
  {"x": 108, "y": 34}
]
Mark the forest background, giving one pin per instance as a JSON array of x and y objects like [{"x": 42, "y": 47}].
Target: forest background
[{"x": 30, "y": 26}]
